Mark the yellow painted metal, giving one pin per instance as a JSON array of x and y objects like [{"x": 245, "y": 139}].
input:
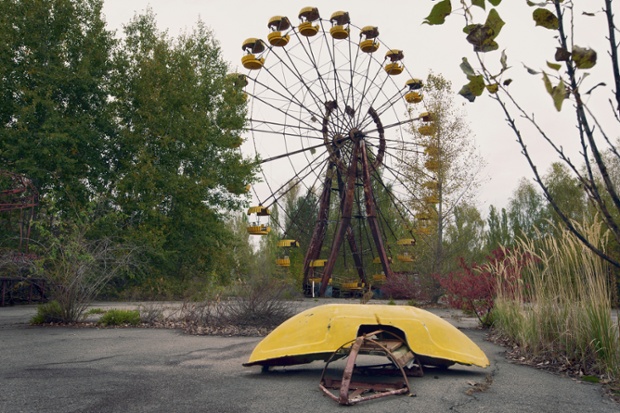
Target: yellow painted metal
[
  {"x": 339, "y": 32},
  {"x": 278, "y": 39},
  {"x": 405, "y": 241},
  {"x": 369, "y": 32},
  {"x": 413, "y": 97},
  {"x": 394, "y": 68},
  {"x": 259, "y": 229},
  {"x": 369, "y": 46},
  {"x": 251, "y": 62},
  {"x": 286, "y": 243},
  {"x": 404, "y": 258},
  {"x": 353, "y": 285},
  {"x": 309, "y": 14},
  {"x": 259, "y": 210},
  {"x": 318, "y": 263},
  {"x": 316, "y": 333},
  {"x": 307, "y": 29},
  {"x": 379, "y": 279},
  {"x": 283, "y": 262}
]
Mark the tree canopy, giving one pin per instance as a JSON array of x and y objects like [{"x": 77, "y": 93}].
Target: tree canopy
[{"x": 139, "y": 134}]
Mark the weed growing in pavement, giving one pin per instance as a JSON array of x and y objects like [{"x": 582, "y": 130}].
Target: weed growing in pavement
[
  {"x": 50, "y": 312},
  {"x": 117, "y": 317}
]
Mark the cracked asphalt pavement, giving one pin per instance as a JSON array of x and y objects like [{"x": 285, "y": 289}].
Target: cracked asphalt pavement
[{"x": 60, "y": 369}]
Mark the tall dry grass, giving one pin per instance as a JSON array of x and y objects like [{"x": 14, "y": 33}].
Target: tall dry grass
[{"x": 559, "y": 306}]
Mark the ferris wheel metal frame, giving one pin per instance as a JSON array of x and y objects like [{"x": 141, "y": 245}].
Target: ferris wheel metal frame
[{"x": 318, "y": 88}]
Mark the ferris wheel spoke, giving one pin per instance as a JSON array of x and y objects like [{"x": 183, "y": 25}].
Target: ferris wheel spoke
[
  {"x": 306, "y": 46},
  {"x": 285, "y": 97},
  {"x": 279, "y": 109},
  {"x": 298, "y": 177}
]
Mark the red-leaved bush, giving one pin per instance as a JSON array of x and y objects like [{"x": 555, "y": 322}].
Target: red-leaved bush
[{"x": 474, "y": 287}]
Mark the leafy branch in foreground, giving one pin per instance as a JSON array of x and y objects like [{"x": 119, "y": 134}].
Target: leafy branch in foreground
[{"x": 564, "y": 77}]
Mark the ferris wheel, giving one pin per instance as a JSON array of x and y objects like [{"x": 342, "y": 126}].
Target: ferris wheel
[{"x": 330, "y": 113}]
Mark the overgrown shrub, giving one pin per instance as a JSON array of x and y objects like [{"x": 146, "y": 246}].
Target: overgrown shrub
[
  {"x": 77, "y": 268},
  {"x": 473, "y": 288},
  {"x": 118, "y": 317},
  {"x": 48, "y": 313},
  {"x": 257, "y": 305}
]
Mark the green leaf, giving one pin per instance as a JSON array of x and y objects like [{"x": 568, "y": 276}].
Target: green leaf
[
  {"x": 554, "y": 66},
  {"x": 546, "y": 19},
  {"x": 495, "y": 2},
  {"x": 479, "y": 3},
  {"x": 474, "y": 88},
  {"x": 482, "y": 36},
  {"x": 558, "y": 95},
  {"x": 494, "y": 22},
  {"x": 439, "y": 13},
  {"x": 547, "y": 82},
  {"x": 467, "y": 93},
  {"x": 466, "y": 68},
  {"x": 584, "y": 57},
  {"x": 493, "y": 88},
  {"x": 530, "y": 70},
  {"x": 476, "y": 84},
  {"x": 507, "y": 82}
]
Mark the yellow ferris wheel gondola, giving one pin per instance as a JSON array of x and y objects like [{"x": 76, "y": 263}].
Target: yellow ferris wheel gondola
[
  {"x": 369, "y": 43},
  {"x": 252, "y": 47},
  {"x": 257, "y": 227},
  {"x": 340, "y": 25},
  {"x": 394, "y": 67},
  {"x": 414, "y": 96},
  {"x": 283, "y": 262},
  {"x": 307, "y": 16},
  {"x": 277, "y": 25}
]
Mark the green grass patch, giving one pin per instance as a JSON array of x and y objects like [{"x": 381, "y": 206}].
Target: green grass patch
[
  {"x": 95, "y": 311},
  {"x": 48, "y": 313},
  {"x": 116, "y": 317}
]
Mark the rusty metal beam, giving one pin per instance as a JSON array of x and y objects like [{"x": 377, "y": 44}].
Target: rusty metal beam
[
  {"x": 371, "y": 214},
  {"x": 345, "y": 218}
]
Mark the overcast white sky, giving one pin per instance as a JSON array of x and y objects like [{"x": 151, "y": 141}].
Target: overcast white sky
[{"x": 426, "y": 48}]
